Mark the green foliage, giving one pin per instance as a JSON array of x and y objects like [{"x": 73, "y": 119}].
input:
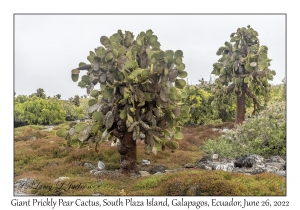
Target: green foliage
[
  {"x": 84, "y": 105},
  {"x": 224, "y": 107},
  {"x": 72, "y": 111},
  {"x": 263, "y": 134},
  {"x": 278, "y": 93},
  {"x": 19, "y": 119},
  {"x": 199, "y": 102},
  {"x": 36, "y": 110},
  {"x": 203, "y": 111},
  {"x": 20, "y": 99},
  {"x": 141, "y": 88}
]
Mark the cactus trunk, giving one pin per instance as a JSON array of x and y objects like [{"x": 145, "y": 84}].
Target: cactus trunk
[
  {"x": 240, "y": 105},
  {"x": 127, "y": 150}
]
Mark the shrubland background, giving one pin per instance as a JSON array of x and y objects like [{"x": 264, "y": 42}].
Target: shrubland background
[{"x": 43, "y": 156}]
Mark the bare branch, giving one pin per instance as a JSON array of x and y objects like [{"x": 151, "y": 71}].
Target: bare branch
[
  {"x": 146, "y": 127},
  {"x": 155, "y": 128},
  {"x": 131, "y": 127}
]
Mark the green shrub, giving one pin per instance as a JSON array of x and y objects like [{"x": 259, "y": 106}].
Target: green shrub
[
  {"x": 37, "y": 110},
  {"x": 277, "y": 94},
  {"x": 73, "y": 112},
  {"x": 264, "y": 134},
  {"x": 199, "y": 100}
]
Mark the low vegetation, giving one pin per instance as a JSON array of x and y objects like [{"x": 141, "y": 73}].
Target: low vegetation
[
  {"x": 48, "y": 158},
  {"x": 41, "y": 155},
  {"x": 264, "y": 134}
]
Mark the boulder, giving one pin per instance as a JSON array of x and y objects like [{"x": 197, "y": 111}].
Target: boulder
[
  {"x": 205, "y": 158},
  {"x": 188, "y": 165},
  {"x": 24, "y": 183},
  {"x": 22, "y": 186},
  {"x": 248, "y": 161},
  {"x": 247, "y": 164},
  {"x": 158, "y": 168},
  {"x": 89, "y": 165}
]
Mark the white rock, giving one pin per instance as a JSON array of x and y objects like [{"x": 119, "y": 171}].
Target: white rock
[
  {"x": 101, "y": 165},
  {"x": 63, "y": 178},
  {"x": 144, "y": 173},
  {"x": 93, "y": 171},
  {"x": 89, "y": 165},
  {"x": 281, "y": 173},
  {"x": 158, "y": 173},
  {"x": 146, "y": 162},
  {"x": 215, "y": 156},
  {"x": 208, "y": 168}
]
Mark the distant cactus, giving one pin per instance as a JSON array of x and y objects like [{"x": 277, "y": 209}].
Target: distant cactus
[
  {"x": 141, "y": 87},
  {"x": 76, "y": 100},
  {"x": 40, "y": 93},
  {"x": 243, "y": 69}
]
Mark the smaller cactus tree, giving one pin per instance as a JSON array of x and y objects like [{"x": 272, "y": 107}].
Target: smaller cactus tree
[
  {"x": 76, "y": 100},
  {"x": 141, "y": 87},
  {"x": 40, "y": 93},
  {"x": 243, "y": 69},
  {"x": 58, "y": 96}
]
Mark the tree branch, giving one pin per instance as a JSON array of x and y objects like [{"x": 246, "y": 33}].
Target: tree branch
[
  {"x": 251, "y": 95},
  {"x": 230, "y": 88},
  {"x": 146, "y": 127}
]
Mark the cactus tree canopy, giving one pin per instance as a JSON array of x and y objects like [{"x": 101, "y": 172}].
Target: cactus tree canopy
[
  {"x": 243, "y": 69},
  {"x": 136, "y": 88}
]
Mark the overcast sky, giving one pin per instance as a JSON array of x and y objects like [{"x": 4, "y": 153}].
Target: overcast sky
[{"x": 48, "y": 47}]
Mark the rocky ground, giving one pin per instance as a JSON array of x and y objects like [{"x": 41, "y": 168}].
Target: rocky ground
[{"x": 249, "y": 164}]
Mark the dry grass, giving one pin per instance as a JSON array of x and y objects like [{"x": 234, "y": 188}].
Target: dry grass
[{"x": 47, "y": 158}]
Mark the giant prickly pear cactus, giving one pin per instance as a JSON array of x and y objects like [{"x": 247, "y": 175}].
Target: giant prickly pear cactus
[
  {"x": 244, "y": 69},
  {"x": 136, "y": 88}
]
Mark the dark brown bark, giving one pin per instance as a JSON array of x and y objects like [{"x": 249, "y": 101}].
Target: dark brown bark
[
  {"x": 127, "y": 150},
  {"x": 240, "y": 105}
]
